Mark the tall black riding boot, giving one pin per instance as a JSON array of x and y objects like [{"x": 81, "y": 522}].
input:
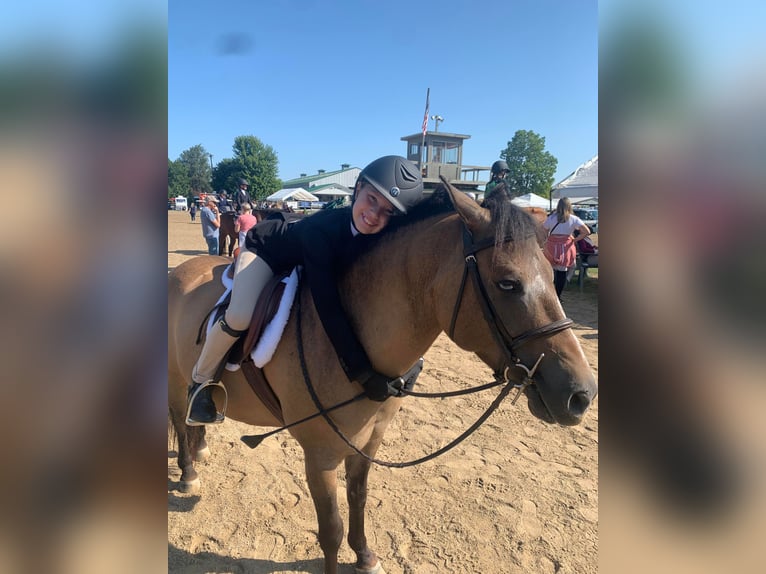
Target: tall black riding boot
[{"x": 202, "y": 409}]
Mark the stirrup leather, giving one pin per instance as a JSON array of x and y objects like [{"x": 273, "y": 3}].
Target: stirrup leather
[{"x": 219, "y": 416}]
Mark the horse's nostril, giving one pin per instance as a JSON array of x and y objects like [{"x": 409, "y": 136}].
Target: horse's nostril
[{"x": 579, "y": 403}]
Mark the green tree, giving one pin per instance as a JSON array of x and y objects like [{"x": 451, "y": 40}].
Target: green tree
[
  {"x": 195, "y": 161},
  {"x": 257, "y": 163},
  {"x": 531, "y": 167},
  {"x": 178, "y": 180},
  {"x": 225, "y": 175}
]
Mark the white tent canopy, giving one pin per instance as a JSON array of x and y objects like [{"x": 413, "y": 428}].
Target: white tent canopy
[
  {"x": 294, "y": 194},
  {"x": 333, "y": 192},
  {"x": 582, "y": 182},
  {"x": 534, "y": 200},
  {"x": 335, "y": 189}
]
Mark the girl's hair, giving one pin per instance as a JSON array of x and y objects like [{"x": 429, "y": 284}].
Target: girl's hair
[{"x": 563, "y": 209}]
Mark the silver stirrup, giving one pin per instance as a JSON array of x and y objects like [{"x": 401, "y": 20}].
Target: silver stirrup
[{"x": 219, "y": 416}]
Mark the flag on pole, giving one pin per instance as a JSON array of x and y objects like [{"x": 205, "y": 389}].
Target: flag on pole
[{"x": 425, "y": 117}]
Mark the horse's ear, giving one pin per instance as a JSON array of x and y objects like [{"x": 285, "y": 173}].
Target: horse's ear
[{"x": 474, "y": 216}]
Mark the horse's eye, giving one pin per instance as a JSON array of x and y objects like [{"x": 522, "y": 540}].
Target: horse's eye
[{"x": 509, "y": 285}]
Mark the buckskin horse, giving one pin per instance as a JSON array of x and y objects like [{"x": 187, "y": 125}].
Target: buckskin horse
[{"x": 477, "y": 273}]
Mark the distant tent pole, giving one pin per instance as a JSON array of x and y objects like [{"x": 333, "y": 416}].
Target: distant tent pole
[{"x": 425, "y": 128}]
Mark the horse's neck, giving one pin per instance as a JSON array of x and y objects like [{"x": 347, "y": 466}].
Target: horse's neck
[{"x": 395, "y": 292}]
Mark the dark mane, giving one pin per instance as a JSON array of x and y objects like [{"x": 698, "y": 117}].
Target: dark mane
[
  {"x": 508, "y": 219},
  {"x": 437, "y": 203}
]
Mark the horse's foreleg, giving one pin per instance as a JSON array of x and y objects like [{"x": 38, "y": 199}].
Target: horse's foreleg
[
  {"x": 202, "y": 451},
  {"x": 322, "y": 483},
  {"x": 190, "y": 441},
  {"x": 232, "y": 240},
  {"x": 357, "y": 470}
]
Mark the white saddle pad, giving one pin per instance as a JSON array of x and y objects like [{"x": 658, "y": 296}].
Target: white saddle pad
[{"x": 272, "y": 333}]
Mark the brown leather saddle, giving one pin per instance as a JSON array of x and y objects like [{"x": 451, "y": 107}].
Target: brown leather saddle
[{"x": 265, "y": 309}]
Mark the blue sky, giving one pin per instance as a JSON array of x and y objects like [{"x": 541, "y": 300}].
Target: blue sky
[{"x": 331, "y": 82}]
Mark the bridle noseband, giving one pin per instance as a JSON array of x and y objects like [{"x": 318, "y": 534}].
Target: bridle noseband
[{"x": 507, "y": 343}]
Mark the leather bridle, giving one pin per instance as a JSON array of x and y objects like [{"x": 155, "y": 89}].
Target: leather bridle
[{"x": 507, "y": 342}]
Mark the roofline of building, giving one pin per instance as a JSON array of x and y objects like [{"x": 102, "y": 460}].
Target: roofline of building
[
  {"x": 420, "y": 135},
  {"x": 314, "y": 177}
]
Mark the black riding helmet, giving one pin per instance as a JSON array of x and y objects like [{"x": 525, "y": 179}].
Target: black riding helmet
[
  {"x": 242, "y": 182},
  {"x": 499, "y": 166},
  {"x": 396, "y": 178}
]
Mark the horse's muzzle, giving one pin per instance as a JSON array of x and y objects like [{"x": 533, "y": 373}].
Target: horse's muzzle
[{"x": 571, "y": 410}]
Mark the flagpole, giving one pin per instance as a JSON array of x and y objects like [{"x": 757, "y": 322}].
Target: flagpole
[{"x": 425, "y": 129}]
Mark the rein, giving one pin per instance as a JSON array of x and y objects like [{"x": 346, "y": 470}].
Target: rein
[{"x": 496, "y": 403}]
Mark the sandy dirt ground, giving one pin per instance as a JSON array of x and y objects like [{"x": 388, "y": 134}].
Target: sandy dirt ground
[{"x": 518, "y": 496}]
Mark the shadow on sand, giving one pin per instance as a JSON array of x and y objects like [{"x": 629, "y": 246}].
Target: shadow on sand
[{"x": 183, "y": 562}]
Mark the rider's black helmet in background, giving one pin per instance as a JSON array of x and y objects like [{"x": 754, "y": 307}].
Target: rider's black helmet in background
[
  {"x": 397, "y": 179},
  {"x": 499, "y": 166},
  {"x": 242, "y": 181}
]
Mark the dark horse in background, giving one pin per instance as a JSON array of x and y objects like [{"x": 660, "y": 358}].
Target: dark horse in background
[
  {"x": 227, "y": 237},
  {"x": 226, "y": 234}
]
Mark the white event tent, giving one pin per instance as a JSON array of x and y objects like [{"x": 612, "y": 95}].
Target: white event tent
[
  {"x": 331, "y": 190},
  {"x": 582, "y": 183},
  {"x": 293, "y": 194},
  {"x": 534, "y": 200}
]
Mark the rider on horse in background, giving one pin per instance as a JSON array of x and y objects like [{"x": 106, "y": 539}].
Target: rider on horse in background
[
  {"x": 224, "y": 204},
  {"x": 241, "y": 197},
  {"x": 499, "y": 171}
]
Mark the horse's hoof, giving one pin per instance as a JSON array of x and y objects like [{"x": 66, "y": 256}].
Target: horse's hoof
[
  {"x": 190, "y": 486},
  {"x": 377, "y": 569},
  {"x": 202, "y": 454}
]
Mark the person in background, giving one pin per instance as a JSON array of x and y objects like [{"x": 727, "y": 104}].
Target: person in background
[
  {"x": 224, "y": 204},
  {"x": 242, "y": 196},
  {"x": 498, "y": 173},
  {"x": 211, "y": 222},
  {"x": 193, "y": 211},
  {"x": 561, "y": 226},
  {"x": 244, "y": 222},
  {"x": 325, "y": 244}
]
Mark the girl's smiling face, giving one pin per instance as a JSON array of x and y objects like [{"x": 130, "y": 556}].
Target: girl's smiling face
[{"x": 371, "y": 211}]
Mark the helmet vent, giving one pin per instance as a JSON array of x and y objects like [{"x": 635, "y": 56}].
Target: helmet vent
[{"x": 407, "y": 174}]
